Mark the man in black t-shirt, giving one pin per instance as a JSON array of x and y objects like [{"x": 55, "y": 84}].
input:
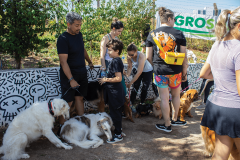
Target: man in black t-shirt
[{"x": 72, "y": 55}]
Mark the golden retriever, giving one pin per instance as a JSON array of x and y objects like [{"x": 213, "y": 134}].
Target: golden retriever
[{"x": 186, "y": 103}]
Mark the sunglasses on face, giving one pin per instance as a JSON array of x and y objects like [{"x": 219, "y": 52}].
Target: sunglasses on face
[{"x": 131, "y": 55}]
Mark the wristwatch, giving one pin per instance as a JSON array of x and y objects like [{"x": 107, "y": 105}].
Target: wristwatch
[{"x": 70, "y": 79}]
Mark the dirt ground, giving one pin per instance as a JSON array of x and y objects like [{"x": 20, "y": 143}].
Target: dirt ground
[{"x": 143, "y": 141}]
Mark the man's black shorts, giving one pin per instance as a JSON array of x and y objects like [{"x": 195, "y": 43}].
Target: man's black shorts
[{"x": 71, "y": 93}]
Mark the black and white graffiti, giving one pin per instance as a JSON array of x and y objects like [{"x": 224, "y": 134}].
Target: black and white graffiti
[{"x": 21, "y": 88}]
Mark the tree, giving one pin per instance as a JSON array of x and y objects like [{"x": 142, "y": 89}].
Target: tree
[
  {"x": 21, "y": 25},
  {"x": 96, "y": 21}
]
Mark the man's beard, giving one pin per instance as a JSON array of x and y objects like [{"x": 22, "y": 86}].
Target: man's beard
[{"x": 73, "y": 32}]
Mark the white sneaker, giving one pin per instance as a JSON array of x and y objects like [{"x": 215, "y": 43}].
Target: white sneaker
[{"x": 116, "y": 138}]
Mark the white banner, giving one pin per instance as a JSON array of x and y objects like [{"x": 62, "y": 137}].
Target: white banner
[{"x": 194, "y": 25}]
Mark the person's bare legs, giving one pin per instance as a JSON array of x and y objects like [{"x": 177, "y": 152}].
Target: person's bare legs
[
  {"x": 235, "y": 154},
  {"x": 61, "y": 119},
  {"x": 223, "y": 147},
  {"x": 79, "y": 105},
  {"x": 143, "y": 49},
  {"x": 176, "y": 101},
  {"x": 164, "y": 95}
]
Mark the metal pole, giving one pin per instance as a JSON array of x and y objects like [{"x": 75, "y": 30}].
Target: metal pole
[
  {"x": 215, "y": 8},
  {"x": 98, "y": 3},
  {"x": 153, "y": 20}
]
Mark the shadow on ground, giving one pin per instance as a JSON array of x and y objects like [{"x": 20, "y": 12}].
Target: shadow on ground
[{"x": 143, "y": 141}]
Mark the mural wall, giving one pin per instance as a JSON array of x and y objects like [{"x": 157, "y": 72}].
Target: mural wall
[{"x": 21, "y": 88}]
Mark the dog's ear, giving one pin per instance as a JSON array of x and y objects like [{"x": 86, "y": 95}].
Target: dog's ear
[
  {"x": 189, "y": 95},
  {"x": 109, "y": 119},
  {"x": 99, "y": 124},
  {"x": 63, "y": 107}
]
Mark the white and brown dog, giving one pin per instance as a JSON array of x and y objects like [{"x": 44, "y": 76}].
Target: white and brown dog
[
  {"x": 84, "y": 131},
  {"x": 29, "y": 125}
]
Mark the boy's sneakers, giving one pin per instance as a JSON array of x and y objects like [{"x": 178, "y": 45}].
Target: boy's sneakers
[
  {"x": 163, "y": 127},
  {"x": 116, "y": 138},
  {"x": 178, "y": 123}
]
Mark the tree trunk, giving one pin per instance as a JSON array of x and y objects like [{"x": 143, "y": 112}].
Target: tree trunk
[{"x": 18, "y": 60}]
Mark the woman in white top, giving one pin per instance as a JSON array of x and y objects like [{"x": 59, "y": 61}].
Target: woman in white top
[
  {"x": 116, "y": 30},
  {"x": 142, "y": 70}
]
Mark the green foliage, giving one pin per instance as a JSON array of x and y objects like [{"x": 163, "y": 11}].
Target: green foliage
[
  {"x": 199, "y": 44},
  {"x": 22, "y": 25},
  {"x": 25, "y": 26},
  {"x": 96, "y": 22}
]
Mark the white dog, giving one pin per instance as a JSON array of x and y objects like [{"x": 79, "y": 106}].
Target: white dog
[
  {"x": 79, "y": 129},
  {"x": 190, "y": 55},
  {"x": 29, "y": 125}
]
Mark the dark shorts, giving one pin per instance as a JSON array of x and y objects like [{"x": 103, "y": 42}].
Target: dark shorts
[
  {"x": 71, "y": 93},
  {"x": 222, "y": 120}
]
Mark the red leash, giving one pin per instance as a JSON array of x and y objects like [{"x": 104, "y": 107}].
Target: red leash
[
  {"x": 190, "y": 85},
  {"x": 129, "y": 96}
]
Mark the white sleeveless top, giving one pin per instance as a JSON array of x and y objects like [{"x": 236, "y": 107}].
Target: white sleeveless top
[
  {"x": 147, "y": 66},
  {"x": 107, "y": 57}
]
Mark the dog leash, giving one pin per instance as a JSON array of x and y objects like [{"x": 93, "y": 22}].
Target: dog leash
[
  {"x": 190, "y": 85},
  {"x": 129, "y": 96},
  {"x": 76, "y": 88},
  {"x": 132, "y": 87},
  {"x": 187, "y": 87}
]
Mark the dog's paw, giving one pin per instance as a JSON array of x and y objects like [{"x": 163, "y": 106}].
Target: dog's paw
[
  {"x": 25, "y": 156},
  {"x": 58, "y": 146},
  {"x": 68, "y": 147},
  {"x": 97, "y": 145}
]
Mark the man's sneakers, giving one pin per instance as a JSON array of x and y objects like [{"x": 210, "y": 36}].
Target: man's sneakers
[
  {"x": 178, "y": 123},
  {"x": 164, "y": 128},
  {"x": 116, "y": 138}
]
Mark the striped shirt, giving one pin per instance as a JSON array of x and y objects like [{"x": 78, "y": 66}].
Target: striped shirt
[{"x": 224, "y": 60}]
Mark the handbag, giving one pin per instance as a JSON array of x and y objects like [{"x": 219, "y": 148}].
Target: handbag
[{"x": 172, "y": 58}]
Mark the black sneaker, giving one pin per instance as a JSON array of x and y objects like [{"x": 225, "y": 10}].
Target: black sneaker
[
  {"x": 178, "y": 123},
  {"x": 116, "y": 138},
  {"x": 163, "y": 127}
]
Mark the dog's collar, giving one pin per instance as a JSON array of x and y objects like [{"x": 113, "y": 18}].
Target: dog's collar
[{"x": 50, "y": 108}]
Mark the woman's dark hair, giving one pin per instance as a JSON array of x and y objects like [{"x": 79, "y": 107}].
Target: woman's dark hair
[
  {"x": 116, "y": 45},
  {"x": 132, "y": 47},
  {"x": 116, "y": 24},
  {"x": 165, "y": 14}
]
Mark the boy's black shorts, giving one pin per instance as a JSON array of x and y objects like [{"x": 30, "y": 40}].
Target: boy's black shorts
[{"x": 71, "y": 93}]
